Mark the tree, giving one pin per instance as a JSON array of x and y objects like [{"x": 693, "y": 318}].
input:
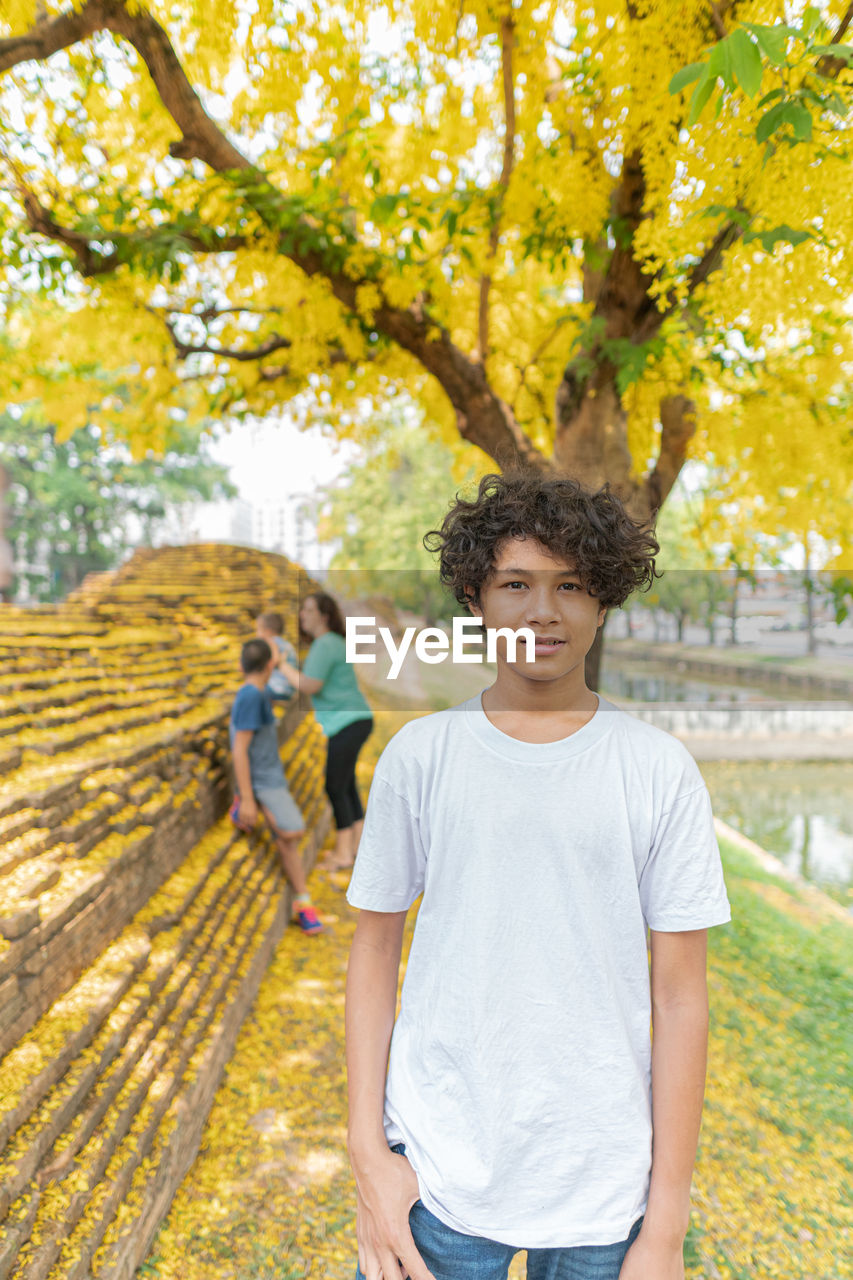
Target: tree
[
  {"x": 813, "y": 524},
  {"x": 73, "y": 503},
  {"x": 692, "y": 586},
  {"x": 499, "y": 206},
  {"x": 380, "y": 509}
]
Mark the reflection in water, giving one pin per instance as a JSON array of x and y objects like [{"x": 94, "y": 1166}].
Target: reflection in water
[
  {"x": 801, "y": 811},
  {"x": 644, "y": 682}
]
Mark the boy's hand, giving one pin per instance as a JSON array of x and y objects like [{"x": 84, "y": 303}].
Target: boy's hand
[
  {"x": 246, "y": 815},
  {"x": 386, "y": 1249},
  {"x": 653, "y": 1260}
]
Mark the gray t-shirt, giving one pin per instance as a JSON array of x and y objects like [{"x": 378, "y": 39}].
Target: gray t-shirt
[{"x": 520, "y": 1065}]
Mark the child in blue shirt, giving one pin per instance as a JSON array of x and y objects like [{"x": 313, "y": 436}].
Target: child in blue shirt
[{"x": 260, "y": 776}]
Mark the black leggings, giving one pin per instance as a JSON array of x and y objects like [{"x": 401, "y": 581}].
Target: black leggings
[{"x": 344, "y": 747}]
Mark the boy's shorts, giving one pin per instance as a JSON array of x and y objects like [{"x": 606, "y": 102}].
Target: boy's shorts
[{"x": 283, "y": 810}]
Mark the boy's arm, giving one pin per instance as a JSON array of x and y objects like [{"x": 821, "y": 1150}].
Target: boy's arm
[
  {"x": 385, "y": 1182},
  {"x": 243, "y": 775},
  {"x": 679, "y": 1051}
]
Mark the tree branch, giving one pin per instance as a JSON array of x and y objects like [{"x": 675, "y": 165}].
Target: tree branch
[
  {"x": 717, "y": 21},
  {"x": 832, "y": 67},
  {"x": 186, "y": 349},
  {"x": 843, "y": 25},
  {"x": 213, "y": 313},
  {"x": 48, "y": 37},
  {"x": 711, "y": 261},
  {"x": 507, "y": 39},
  {"x": 271, "y": 373},
  {"x": 678, "y": 425},
  {"x": 201, "y": 138},
  {"x": 91, "y": 261},
  {"x": 483, "y": 417}
]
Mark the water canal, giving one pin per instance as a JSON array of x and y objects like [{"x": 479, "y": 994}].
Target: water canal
[{"x": 799, "y": 810}]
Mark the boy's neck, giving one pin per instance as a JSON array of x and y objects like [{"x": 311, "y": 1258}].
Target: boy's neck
[
  {"x": 539, "y": 711},
  {"x": 258, "y": 679}
]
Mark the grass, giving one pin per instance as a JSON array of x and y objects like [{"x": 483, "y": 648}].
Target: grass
[{"x": 773, "y": 1177}]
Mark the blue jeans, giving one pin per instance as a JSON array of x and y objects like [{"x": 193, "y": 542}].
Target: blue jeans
[{"x": 450, "y": 1255}]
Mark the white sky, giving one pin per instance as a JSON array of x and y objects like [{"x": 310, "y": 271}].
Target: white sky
[{"x": 268, "y": 460}]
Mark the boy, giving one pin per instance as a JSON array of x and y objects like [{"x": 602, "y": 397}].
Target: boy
[
  {"x": 547, "y": 831},
  {"x": 270, "y": 627},
  {"x": 260, "y": 776}
]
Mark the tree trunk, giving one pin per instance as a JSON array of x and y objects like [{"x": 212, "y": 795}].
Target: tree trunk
[
  {"x": 591, "y": 443},
  {"x": 808, "y": 583}
]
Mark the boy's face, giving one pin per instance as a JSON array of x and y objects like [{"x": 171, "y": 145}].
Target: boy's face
[{"x": 530, "y": 588}]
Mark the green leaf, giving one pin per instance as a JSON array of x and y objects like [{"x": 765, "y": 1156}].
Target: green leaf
[
  {"x": 383, "y": 207},
  {"x": 720, "y": 62},
  {"x": 686, "y": 76},
  {"x": 738, "y": 216},
  {"x": 801, "y": 120},
  {"x": 783, "y": 233},
  {"x": 772, "y": 41},
  {"x": 843, "y": 51},
  {"x": 770, "y": 122},
  {"x": 811, "y": 19},
  {"x": 701, "y": 94},
  {"x": 746, "y": 62}
]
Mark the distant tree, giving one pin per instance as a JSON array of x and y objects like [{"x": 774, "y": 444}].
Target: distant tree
[
  {"x": 693, "y": 586},
  {"x": 839, "y": 588},
  {"x": 380, "y": 509},
  {"x": 691, "y": 595},
  {"x": 75, "y": 506}
]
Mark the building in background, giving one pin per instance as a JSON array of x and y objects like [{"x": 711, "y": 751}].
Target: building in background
[
  {"x": 228, "y": 520},
  {"x": 290, "y": 527},
  {"x": 287, "y": 525}
]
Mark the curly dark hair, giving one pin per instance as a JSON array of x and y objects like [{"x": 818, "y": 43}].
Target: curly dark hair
[{"x": 613, "y": 554}]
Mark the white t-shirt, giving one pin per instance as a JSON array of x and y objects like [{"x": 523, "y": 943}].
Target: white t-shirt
[{"x": 520, "y": 1066}]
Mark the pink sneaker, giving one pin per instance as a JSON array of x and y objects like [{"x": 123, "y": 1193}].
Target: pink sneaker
[{"x": 309, "y": 921}]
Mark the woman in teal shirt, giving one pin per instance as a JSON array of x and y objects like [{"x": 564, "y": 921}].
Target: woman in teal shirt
[{"x": 344, "y": 715}]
